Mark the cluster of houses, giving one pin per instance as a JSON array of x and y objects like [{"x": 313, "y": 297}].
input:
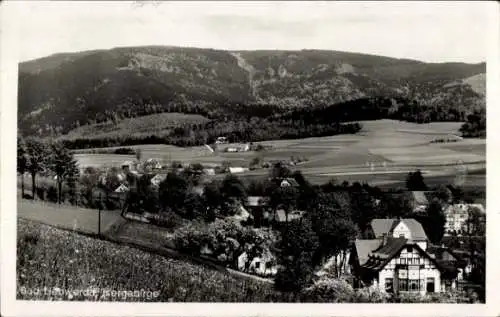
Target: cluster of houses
[{"x": 456, "y": 215}]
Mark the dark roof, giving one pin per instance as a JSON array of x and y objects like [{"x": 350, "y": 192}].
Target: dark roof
[
  {"x": 386, "y": 226},
  {"x": 378, "y": 258}
]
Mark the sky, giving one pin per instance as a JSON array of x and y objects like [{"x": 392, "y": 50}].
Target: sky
[{"x": 426, "y": 31}]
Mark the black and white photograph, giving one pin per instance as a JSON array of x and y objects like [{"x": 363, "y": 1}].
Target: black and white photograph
[{"x": 250, "y": 152}]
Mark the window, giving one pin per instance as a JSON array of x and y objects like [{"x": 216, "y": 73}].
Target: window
[
  {"x": 401, "y": 235},
  {"x": 430, "y": 285},
  {"x": 403, "y": 285},
  {"x": 403, "y": 260},
  {"x": 414, "y": 285},
  {"x": 268, "y": 265},
  {"x": 257, "y": 265},
  {"x": 389, "y": 285},
  {"x": 409, "y": 249}
]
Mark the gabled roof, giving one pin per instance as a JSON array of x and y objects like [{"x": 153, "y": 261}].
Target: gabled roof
[
  {"x": 420, "y": 197},
  {"x": 364, "y": 248},
  {"x": 386, "y": 226},
  {"x": 378, "y": 258}
]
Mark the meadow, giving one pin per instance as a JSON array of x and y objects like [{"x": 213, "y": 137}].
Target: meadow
[
  {"x": 155, "y": 123},
  {"x": 388, "y": 147},
  {"x": 57, "y": 263}
]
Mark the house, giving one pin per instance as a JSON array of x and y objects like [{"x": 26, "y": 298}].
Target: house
[
  {"x": 397, "y": 260},
  {"x": 236, "y": 170},
  {"x": 286, "y": 182},
  {"x": 157, "y": 179},
  {"x": 262, "y": 264},
  {"x": 209, "y": 171},
  {"x": 457, "y": 216},
  {"x": 280, "y": 215},
  {"x": 231, "y": 149},
  {"x": 410, "y": 228},
  {"x": 221, "y": 140},
  {"x": 244, "y": 148},
  {"x": 122, "y": 189},
  {"x": 451, "y": 260}
]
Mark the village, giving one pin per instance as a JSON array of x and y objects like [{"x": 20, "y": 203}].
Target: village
[{"x": 394, "y": 255}]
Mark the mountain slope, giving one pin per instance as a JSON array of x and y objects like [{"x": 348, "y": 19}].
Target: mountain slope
[{"x": 63, "y": 91}]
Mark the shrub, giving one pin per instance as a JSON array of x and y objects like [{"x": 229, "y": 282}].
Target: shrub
[{"x": 52, "y": 194}]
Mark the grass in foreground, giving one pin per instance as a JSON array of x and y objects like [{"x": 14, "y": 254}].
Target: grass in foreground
[{"x": 62, "y": 265}]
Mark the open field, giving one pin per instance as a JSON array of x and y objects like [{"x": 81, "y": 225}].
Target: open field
[
  {"x": 383, "y": 145},
  {"x": 60, "y": 260}
]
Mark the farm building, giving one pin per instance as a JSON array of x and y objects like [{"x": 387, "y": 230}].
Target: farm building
[
  {"x": 287, "y": 182},
  {"x": 281, "y": 217},
  {"x": 398, "y": 260},
  {"x": 221, "y": 140},
  {"x": 236, "y": 170},
  {"x": 209, "y": 171}
]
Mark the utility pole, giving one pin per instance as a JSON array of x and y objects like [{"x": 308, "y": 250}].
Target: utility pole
[{"x": 99, "y": 217}]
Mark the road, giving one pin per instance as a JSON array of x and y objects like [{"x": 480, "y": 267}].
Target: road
[{"x": 65, "y": 216}]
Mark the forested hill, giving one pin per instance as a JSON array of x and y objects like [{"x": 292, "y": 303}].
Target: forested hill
[{"x": 64, "y": 91}]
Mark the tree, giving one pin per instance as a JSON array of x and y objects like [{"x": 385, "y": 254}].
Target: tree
[
  {"x": 298, "y": 245},
  {"x": 89, "y": 180},
  {"x": 335, "y": 229},
  {"x": 280, "y": 171},
  {"x": 444, "y": 194},
  {"x": 172, "y": 191},
  {"x": 436, "y": 221},
  {"x": 415, "y": 181},
  {"x": 36, "y": 159},
  {"x": 63, "y": 165},
  {"x": 233, "y": 189},
  {"x": 213, "y": 199},
  {"x": 284, "y": 197},
  {"x": 22, "y": 161},
  {"x": 138, "y": 154}
]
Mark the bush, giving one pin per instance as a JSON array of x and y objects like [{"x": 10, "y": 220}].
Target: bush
[
  {"x": 125, "y": 150},
  {"x": 41, "y": 192}
]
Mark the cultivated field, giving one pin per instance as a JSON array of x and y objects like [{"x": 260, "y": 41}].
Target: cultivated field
[{"x": 384, "y": 151}]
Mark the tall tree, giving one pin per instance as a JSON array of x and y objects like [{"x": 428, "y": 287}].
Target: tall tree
[
  {"x": 172, "y": 191},
  {"x": 415, "y": 181},
  {"x": 436, "y": 221},
  {"x": 284, "y": 197},
  {"x": 63, "y": 165},
  {"x": 22, "y": 161},
  {"x": 298, "y": 245},
  {"x": 36, "y": 159}
]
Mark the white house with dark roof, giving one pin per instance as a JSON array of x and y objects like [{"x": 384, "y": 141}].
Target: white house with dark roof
[
  {"x": 457, "y": 216},
  {"x": 397, "y": 260}
]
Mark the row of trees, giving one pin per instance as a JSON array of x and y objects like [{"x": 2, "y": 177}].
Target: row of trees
[{"x": 36, "y": 157}]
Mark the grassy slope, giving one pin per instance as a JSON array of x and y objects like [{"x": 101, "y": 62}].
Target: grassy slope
[
  {"x": 49, "y": 257},
  {"x": 150, "y": 124}
]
